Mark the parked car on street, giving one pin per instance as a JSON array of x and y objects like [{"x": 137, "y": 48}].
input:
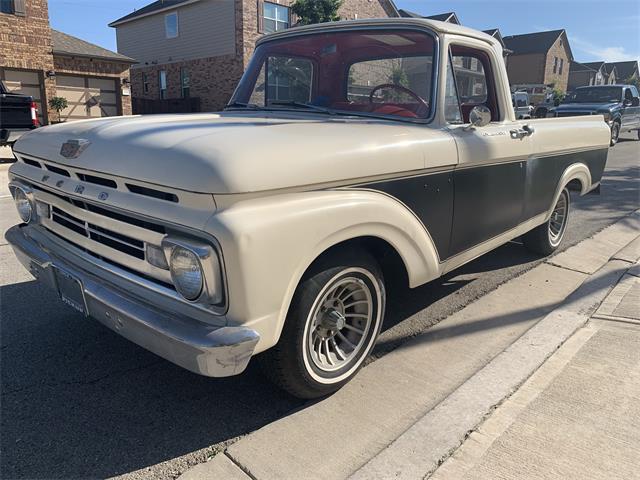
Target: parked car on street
[
  {"x": 523, "y": 109},
  {"x": 344, "y": 155},
  {"x": 619, "y": 104},
  {"x": 18, "y": 115}
]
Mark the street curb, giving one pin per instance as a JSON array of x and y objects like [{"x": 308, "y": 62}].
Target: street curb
[
  {"x": 431, "y": 440},
  {"x": 422, "y": 448},
  {"x": 424, "y": 445}
]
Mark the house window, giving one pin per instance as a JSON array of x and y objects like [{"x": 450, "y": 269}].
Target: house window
[
  {"x": 6, "y": 6},
  {"x": 561, "y": 64},
  {"x": 171, "y": 25},
  {"x": 276, "y": 17},
  {"x": 184, "y": 82},
  {"x": 162, "y": 82},
  {"x": 145, "y": 82},
  {"x": 555, "y": 64}
]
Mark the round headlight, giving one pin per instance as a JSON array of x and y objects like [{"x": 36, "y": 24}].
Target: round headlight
[
  {"x": 25, "y": 210},
  {"x": 186, "y": 273}
]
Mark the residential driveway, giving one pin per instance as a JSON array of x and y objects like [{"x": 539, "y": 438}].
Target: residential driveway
[{"x": 79, "y": 401}]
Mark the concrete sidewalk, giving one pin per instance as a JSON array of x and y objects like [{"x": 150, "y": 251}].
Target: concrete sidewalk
[
  {"x": 578, "y": 416},
  {"x": 406, "y": 413}
]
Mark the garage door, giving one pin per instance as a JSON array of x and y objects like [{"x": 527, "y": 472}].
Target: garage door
[
  {"x": 87, "y": 97},
  {"x": 27, "y": 83}
]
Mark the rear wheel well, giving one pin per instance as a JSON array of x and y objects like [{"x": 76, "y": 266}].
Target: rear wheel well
[
  {"x": 390, "y": 261},
  {"x": 575, "y": 185}
]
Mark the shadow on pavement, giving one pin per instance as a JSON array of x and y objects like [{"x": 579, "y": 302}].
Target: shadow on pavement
[{"x": 80, "y": 401}]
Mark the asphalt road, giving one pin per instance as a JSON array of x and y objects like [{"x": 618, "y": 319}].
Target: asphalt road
[{"x": 78, "y": 401}]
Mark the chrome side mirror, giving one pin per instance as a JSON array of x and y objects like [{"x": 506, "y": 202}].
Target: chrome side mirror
[{"x": 479, "y": 116}]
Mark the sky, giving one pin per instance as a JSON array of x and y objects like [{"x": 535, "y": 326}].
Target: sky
[{"x": 597, "y": 29}]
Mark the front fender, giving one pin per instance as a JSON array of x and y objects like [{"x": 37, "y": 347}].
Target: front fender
[{"x": 268, "y": 244}]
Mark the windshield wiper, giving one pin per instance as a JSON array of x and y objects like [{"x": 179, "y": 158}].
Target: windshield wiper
[
  {"x": 250, "y": 106},
  {"x": 303, "y": 105}
]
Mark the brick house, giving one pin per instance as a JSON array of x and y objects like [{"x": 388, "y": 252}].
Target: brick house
[
  {"x": 539, "y": 58},
  {"x": 41, "y": 62},
  {"x": 199, "y": 49}
]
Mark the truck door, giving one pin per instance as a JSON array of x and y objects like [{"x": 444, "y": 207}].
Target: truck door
[
  {"x": 631, "y": 111},
  {"x": 489, "y": 181}
]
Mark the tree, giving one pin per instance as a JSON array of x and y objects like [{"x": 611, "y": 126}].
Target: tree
[
  {"x": 316, "y": 11},
  {"x": 58, "y": 104},
  {"x": 558, "y": 96}
]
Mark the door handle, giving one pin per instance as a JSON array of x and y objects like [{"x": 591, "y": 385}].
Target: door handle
[{"x": 525, "y": 131}]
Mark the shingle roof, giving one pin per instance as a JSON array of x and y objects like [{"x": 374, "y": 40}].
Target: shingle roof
[
  {"x": 442, "y": 17},
  {"x": 64, "y": 44},
  {"x": 594, "y": 65},
  {"x": 445, "y": 17},
  {"x": 580, "y": 67},
  {"x": 154, "y": 7},
  {"x": 537, "y": 42},
  {"x": 408, "y": 14},
  {"x": 495, "y": 33},
  {"x": 624, "y": 70}
]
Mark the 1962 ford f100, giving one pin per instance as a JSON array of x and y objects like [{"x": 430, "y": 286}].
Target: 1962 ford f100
[{"x": 348, "y": 149}]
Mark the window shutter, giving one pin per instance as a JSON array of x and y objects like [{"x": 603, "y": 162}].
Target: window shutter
[
  {"x": 19, "y": 8},
  {"x": 260, "y": 16}
]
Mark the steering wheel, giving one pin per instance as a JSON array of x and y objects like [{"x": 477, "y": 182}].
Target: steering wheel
[{"x": 411, "y": 93}]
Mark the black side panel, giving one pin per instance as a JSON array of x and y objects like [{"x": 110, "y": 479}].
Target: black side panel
[
  {"x": 488, "y": 201},
  {"x": 430, "y": 197},
  {"x": 543, "y": 176}
]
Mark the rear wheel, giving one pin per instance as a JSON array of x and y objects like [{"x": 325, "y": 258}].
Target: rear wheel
[
  {"x": 546, "y": 238},
  {"x": 332, "y": 325}
]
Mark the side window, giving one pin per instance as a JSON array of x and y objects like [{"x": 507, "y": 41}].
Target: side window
[
  {"x": 274, "y": 17},
  {"x": 145, "y": 82},
  {"x": 474, "y": 81},
  {"x": 634, "y": 91},
  {"x": 162, "y": 84},
  {"x": 627, "y": 94},
  {"x": 171, "y": 25},
  {"x": 451, "y": 104}
]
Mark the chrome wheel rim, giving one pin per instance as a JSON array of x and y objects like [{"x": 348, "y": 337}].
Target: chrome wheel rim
[
  {"x": 558, "y": 220},
  {"x": 341, "y": 320}
]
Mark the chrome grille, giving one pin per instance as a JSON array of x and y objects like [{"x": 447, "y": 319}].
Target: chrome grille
[
  {"x": 107, "y": 234},
  {"x": 115, "y": 240}
]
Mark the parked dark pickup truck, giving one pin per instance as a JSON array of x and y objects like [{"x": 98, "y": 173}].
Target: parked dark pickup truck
[
  {"x": 620, "y": 105},
  {"x": 18, "y": 115}
]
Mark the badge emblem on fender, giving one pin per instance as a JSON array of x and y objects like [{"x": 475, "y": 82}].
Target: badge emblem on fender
[{"x": 74, "y": 147}]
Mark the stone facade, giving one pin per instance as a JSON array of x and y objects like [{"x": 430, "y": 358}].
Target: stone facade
[
  {"x": 214, "y": 79},
  {"x": 557, "y": 73},
  {"x": 26, "y": 44},
  {"x": 211, "y": 79},
  {"x": 543, "y": 67}
]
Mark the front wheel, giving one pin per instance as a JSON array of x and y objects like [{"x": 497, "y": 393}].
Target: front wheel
[
  {"x": 615, "y": 133},
  {"x": 546, "y": 238},
  {"x": 332, "y": 325}
]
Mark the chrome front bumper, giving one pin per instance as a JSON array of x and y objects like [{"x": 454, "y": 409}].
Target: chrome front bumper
[{"x": 198, "y": 347}]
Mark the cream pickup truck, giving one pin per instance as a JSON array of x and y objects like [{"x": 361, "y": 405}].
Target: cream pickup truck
[{"x": 348, "y": 150}]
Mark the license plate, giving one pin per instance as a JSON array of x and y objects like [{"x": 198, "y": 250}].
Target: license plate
[{"x": 71, "y": 291}]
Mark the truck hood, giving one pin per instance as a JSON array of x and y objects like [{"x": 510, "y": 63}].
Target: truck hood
[
  {"x": 585, "y": 107},
  {"x": 230, "y": 152}
]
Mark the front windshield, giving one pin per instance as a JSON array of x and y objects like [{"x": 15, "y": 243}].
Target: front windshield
[
  {"x": 595, "y": 95},
  {"x": 359, "y": 72}
]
